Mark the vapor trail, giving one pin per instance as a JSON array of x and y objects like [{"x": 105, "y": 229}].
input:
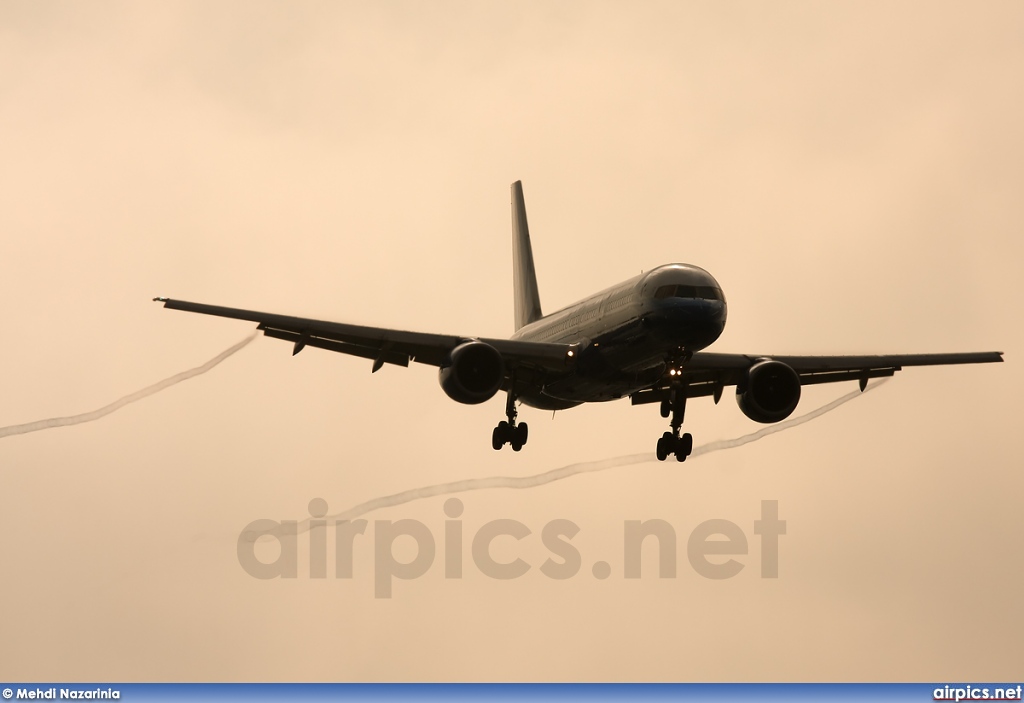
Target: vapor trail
[
  {"x": 772, "y": 429},
  {"x": 126, "y": 400},
  {"x": 476, "y": 484}
]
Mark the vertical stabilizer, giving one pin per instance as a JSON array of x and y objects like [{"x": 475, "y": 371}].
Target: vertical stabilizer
[{"x": 527, "y": 300}]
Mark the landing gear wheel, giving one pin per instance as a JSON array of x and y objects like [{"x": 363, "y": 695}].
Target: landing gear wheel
[
  {"x": 663, "y": 449},
  {"x": 517, "y": 435},
  {"x": 686, "y": 444},
  {"x": 680, "y": 454},
  {"x": 500, "y": 435},
  {"x": 668, "y": 444}
]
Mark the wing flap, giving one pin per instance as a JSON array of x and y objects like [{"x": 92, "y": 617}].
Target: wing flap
[
  {"x": 301, "y": 341},
  {"x": 810, "y": 379}
]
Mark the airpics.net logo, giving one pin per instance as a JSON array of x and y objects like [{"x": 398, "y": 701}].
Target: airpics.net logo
[
  {"x": 714, "y": 548},
  {"x": 977, "y": 693}
]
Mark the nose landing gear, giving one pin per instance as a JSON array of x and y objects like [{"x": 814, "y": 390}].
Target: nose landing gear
[{"x": 508, "y": 432}]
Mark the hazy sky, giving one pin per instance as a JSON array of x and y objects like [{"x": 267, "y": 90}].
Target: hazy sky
[{"x": 851, "y": 173}]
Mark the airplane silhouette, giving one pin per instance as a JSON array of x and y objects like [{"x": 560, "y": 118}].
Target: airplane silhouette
[{"x": 641, "y": 338}]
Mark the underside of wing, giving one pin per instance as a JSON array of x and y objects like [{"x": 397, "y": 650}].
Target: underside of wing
[
  {"x": 707, "y": 373},
  {"x": 388, "y": 346}
]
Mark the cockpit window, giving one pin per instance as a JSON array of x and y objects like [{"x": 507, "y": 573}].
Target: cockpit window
[{"x": 685, "y": 291}]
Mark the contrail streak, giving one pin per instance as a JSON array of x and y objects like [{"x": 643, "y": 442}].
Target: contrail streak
[
  {"x": 477, "y": 484},
  {"x": 772, "y": 429},
  {"x": 126, "y": 400}
]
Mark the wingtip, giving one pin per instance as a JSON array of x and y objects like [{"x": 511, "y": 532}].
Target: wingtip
[{"x": 160, "y": 300}]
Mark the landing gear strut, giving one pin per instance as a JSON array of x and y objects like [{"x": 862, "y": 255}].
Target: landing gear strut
[
  {"x": 508, "y": 432},
  {"x": 675, "y": 405}
]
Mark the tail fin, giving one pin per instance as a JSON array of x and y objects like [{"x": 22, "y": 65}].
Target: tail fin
[{"x": 527, "y": 298}]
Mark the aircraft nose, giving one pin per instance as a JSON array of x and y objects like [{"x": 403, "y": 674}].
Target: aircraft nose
[{"x": 693, "y": 322}]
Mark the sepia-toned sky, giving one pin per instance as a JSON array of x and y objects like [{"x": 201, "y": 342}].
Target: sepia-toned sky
[{"x": 850, "y": 172}]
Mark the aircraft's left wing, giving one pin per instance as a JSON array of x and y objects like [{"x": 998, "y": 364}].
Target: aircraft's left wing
[
  {"x": 386, "y": 346},
  {"x": 707, "y": 372}
]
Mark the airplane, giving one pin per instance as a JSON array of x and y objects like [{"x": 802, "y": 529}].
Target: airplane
[{"x": 641, "y": 339}]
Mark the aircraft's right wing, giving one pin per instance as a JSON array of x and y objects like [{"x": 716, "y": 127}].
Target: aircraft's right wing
[
  {"x": 708, "y": 372},
  {"x": 388, "y": 346}
]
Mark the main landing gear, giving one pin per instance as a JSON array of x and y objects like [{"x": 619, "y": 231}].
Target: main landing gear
[
  {"x": 675, "y": 406},
  {"x": 672, "y": 442},
  {"x": 508, "y": 432}
]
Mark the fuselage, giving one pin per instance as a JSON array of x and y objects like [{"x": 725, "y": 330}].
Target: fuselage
[{"x": 628, "y": 333}]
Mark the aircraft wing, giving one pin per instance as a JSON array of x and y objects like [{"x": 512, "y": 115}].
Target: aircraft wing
[
  {"x": 387, "y": 346},
  {"x": 708, "y": 372}
]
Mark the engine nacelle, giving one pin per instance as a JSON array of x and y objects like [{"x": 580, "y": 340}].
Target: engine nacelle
[
  {"x": 770, "y": 391},
  {"x": 474, "y": 373}
]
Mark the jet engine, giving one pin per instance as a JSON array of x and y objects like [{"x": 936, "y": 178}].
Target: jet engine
[
  {"x": 473, "y": 374},
  {"x": 770, "y": 392}
]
